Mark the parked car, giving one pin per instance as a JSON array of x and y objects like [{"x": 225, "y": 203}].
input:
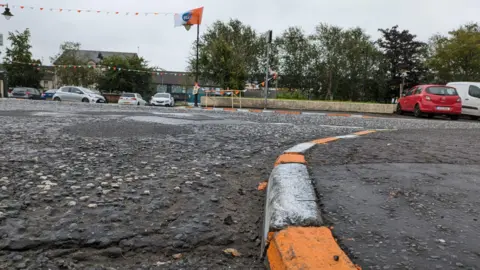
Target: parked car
[
  {"x": 470, "y": 94},
  {"x": 26, "y": 93},
  {"x": 131, "y": 99},
  {"x": 48, "y": 95},
  {"x": 77, "y": 94},
  {"x": 431, "y": 100},
  {"x": 162, "y": 99}
]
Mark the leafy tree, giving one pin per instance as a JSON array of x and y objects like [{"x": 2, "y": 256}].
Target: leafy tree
[
  {"x": 456, "y": 57},
  {"x": 404, "y": 54},
  {"x": 120, "y": 79},
  {"x": 229, "y": 52},
  {"x": 295, "y": 52},
  {"x": 77, "y": 71},
  {"x": 22, "y": 69}
]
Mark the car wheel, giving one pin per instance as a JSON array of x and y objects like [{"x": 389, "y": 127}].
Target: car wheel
[
  {"x": 138, "y": 103},
  {"x": 57, "y": 99},
  {"x": 399, "y": 109},
  {"x": 454, "y": 117},
  {"x": 85, "y": 100},
  {"x": 417, "y": 112}
]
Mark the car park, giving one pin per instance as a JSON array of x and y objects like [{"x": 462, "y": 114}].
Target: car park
[
  {"x": 77, "y": 94},
  {"x": 131, "y": 99},
  {"x": 431, "y": 100},
  {"x": 469, "y": 92},
  {"x": 162, "y": 99},
  {"x": 26, "y": 93},
  {"x": 48, "y": 95}
]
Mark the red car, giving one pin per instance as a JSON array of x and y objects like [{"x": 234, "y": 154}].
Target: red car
[{"x": 431, "y": 100}]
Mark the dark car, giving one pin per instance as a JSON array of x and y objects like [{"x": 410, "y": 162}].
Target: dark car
[
  {"x": 26, "y": 93},
  {"x": 48, "y": 95}
]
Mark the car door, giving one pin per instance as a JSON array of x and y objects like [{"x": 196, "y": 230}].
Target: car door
[
  {"x": 76, "y": 94},
  {"x": 140, "y": 99},
  {"x": 471, "y": 104},
  {"x": 405, "y": 102},
  {"x": 416, "y": 96}
]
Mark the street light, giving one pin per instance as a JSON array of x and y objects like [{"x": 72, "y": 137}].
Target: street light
[{"x": 7, "y": 13}]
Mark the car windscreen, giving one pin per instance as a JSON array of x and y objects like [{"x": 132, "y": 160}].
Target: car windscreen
[
  {"x": 162, "y": 96},
  {"x": 442, "y": 91},
  {"x": 128, "y": 95}
]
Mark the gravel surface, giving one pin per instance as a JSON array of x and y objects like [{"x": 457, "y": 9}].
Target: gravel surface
[
  {"x": 405, "y": 199},
  {"x": 108, "y": 187}
]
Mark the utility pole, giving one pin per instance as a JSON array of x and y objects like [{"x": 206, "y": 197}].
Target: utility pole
[{"x": 267, "y": 66}]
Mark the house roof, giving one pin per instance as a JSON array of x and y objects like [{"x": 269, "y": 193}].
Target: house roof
[{"x": 92, "y": 55}]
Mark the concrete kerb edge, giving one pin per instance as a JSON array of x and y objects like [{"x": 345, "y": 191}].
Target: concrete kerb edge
[
  {"x": 282, "y": 112},
  {"x": 287, "y": 216}
]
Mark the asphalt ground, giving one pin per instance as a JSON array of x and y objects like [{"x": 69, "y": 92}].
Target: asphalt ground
[
  {"x": 90, "y": 186},
  {"x": 406, "y": 199}
]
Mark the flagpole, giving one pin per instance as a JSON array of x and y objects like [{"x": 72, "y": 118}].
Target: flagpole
[{"x": 196, "y": 64}]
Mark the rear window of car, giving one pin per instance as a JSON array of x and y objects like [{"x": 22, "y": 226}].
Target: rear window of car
[
  {"x": 51, "y": 91},
  {"x": 19, "y": 90},
  {"x": 442, "y": 91},
  {"x": 128, "y": 95}
]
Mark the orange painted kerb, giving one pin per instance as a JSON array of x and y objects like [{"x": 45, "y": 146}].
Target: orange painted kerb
[
  {"x": 288, "y": 112},
  {"x": 256, "y": 111},
  {"x": 230, "y": 109},
  {"x": 325, "y": 140},
  {"x": 339, "y": 114},
  {"x": 290, "y": 158},
  {"x": 208, "y": 108},
  {"x": 365, "y": 132},
  {"x": 307, "y": 248}
]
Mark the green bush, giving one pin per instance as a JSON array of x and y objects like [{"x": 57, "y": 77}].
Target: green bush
[{"x": 292, "y": 95}]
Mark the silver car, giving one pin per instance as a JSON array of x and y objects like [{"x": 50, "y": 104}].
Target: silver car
[
  {"x": 162, "y": 99},
  {"x": 77, "y": 94}
]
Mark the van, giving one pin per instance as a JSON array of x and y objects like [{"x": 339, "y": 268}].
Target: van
[{"x": 469, "y": 92}]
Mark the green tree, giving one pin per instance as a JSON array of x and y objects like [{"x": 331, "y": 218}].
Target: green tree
[
  {"x": 295, "y": 54},
  {"x": 22, "y": 69},
  {"x": 126, "y": 74},
  {"x": 229, "y": 52},
  {"x": 405, "y": 54},
  {"x": 456, "y": 57},
  {"x": 77, "y": 71}
]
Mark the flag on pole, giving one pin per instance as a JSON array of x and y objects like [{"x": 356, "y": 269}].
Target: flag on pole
[{"x": 189, "y": 18}]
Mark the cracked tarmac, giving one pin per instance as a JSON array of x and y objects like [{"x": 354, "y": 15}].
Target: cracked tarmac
[{"x": 107, "y": 187}]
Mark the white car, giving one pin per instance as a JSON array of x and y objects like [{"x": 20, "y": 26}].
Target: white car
[
  {"x": 162, "y": 99},
  {"x": 131, "y": 99},
  {"x": 77, "y": 94},
  {"x": 470, "y": 94}
]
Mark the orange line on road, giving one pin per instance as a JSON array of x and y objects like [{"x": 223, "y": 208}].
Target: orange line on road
[
  {"x": 307, "y": 248},
  {"x": 290, "y": 158}
]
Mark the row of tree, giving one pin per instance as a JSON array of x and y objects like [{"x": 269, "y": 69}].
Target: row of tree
[
  {"x": 23, "y": 70},
  {"x": 335, "y": 63}
]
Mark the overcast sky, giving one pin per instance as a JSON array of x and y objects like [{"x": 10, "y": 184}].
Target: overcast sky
[{"x": 168, "y": 47}]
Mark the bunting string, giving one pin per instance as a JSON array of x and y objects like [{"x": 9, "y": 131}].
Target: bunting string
[
  {"x": 94, "y": 11},
  {"x": 100, "y": 67}
]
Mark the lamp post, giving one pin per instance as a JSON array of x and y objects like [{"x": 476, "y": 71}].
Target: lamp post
[{"x": 7, "y": 14}]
